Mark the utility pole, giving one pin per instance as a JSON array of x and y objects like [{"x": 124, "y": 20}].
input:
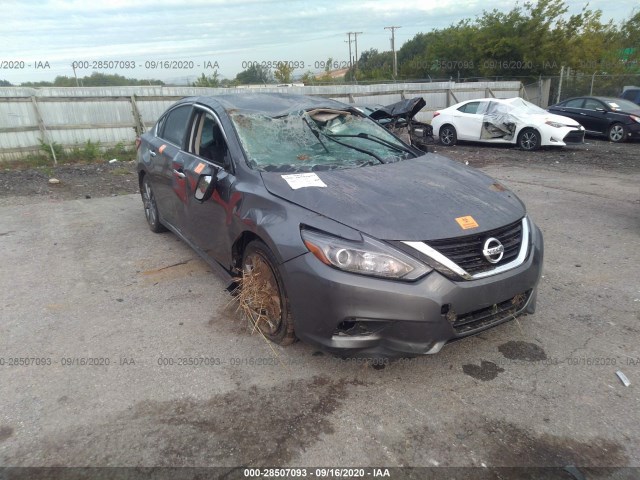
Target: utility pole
[
  {"x": 349, "y": 41},
  {"x": 355, "y": 35},
  {"x": 73, "y": 65},
  {"x": 393, "y": 48},
  {"x": 560, "y": 84}
]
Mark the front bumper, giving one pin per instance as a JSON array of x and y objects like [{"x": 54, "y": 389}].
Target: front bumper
[
  {"x": 633, "y": 131},
  {"x": 355, "y": 315}
]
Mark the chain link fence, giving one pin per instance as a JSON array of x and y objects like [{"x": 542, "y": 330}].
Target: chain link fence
[{"x": 578, "y": 84}]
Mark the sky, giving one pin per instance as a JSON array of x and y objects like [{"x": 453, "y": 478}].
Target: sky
[{"x": 175, "y": 40}]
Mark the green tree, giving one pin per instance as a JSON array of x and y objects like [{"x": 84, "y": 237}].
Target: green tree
[
  {"x": 308, "y": 78},
  {"x": 372, "y": 65},
  {"x": 283, "y": 72},
  {"x": 328, "y": 65},
  {"x": 536, "y": 38},
  {"x": 255, "y": 74},
  {"x": 211, "y": 81},
  {"x": 96, "y": 79},
  {"x": 5, "y": 83}
]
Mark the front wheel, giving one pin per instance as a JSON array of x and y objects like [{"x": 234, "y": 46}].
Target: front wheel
[
  {"x": 262, "y": 296},
  {"x": 448, "y": 135},
  {"x": 151, "y": 207},
  {"x": 529, "y": 139},
  {"x": 617, "y": 133}
]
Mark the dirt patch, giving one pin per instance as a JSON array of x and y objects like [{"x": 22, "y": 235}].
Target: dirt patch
[
  {"x": 485, "y": 371},
  {"x": 257, "y": 426},
  {"x": 518, "y": 350},
  {"x": 5, "y": 433},
  {"x": 495, "y": 443},
  {"x": 76, "y": 181},
  {"x": 598, "y": 153}
]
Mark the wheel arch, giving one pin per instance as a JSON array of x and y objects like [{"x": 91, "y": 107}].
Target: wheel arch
[{"x": 141, "y": 175}]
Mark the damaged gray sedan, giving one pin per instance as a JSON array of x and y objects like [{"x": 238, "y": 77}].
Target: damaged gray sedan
[{"x": 337, "y": 232}]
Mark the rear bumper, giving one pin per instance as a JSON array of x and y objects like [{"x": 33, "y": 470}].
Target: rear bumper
[{"x": 354, "y": 315}]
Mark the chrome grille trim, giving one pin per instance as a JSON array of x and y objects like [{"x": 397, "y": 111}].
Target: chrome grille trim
[{"x": 436, "y": 256}]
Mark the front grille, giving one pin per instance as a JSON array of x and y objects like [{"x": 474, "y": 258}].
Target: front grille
[
  {"x": 483, "y": 318},
  {"x": 574, "y": 136},
  {"x": 467, "y": 251}
]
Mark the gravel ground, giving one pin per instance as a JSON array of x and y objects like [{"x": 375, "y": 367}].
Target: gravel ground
[{"x": 86, "y": 279}]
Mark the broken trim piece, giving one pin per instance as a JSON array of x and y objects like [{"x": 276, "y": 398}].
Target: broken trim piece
[{"x": 430, "y": 252}]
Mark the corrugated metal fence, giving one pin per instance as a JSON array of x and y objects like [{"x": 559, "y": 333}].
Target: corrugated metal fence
[{"x": 30, "y": 117}]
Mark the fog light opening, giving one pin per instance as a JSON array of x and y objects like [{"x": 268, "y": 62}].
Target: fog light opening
[
  {"x": 449, "y": 313},
  {"x": 346, "y": 326},
  {"x": 353, "y": 328}
]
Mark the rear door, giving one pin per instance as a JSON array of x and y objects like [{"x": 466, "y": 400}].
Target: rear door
[
  {"x": 168, "y": 174},
  {"x": 468, "y": 120}
]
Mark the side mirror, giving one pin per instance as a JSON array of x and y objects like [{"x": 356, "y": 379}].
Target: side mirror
[{"x": 204, "y": 188}]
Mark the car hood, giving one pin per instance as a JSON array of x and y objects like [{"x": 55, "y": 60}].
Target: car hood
[
  {"x": 539, "y": 119},
  {"x": 552, "y": 117},
  {"x": 414, "y": 200}
]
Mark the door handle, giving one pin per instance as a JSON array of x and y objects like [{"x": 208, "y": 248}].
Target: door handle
[
  {"x": 152, "y": 153},
  {"x": 583, "y": 114},
  {"x": 179, "y": 173}
]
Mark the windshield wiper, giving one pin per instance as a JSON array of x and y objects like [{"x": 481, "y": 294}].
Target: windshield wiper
[
  {"x": 315, "y": 134},
  {"x": 376, "y": 139},
  {"x": 358, "y": 149}
]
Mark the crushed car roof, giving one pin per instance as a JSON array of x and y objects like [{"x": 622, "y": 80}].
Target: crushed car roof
[{"x": 269, "y": 104}]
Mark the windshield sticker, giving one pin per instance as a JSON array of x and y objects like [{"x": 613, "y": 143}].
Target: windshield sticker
[
  {"x": 467, "y": 222},
  {"x": 300, "y": 180},
  {"x": 199, "y": 167}
]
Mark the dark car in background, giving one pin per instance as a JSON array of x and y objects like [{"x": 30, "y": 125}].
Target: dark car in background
[
  {"x": 345, "y": 236},
  {"x": 632, "y": 94},
  {"x": 615, "y": 118}
]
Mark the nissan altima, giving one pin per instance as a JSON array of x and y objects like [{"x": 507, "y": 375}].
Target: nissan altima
[{"x": 354, "y": 241}]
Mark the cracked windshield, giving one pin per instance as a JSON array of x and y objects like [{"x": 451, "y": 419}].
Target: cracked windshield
[{"x": 316, "y": 140}]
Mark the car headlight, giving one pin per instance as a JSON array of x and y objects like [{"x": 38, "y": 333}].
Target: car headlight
[
  {"x": 554, "y": 124},
  {"x": 369, "y": 257}
]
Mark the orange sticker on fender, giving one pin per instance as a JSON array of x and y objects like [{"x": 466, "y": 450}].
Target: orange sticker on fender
[
  {"x": 162, "y": 147},
  {"x": 467, "y": 222},
  {"x": 199, "y": 167}
]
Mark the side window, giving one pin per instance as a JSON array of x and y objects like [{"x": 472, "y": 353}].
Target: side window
[
  {"x": 590, "y": 104},
  {"x": 471, "y": 107},
  {"x": 175, "y": 125},
  {"x": 482, "y": 108},
  {"x": 208, "y": 140},
  {"x": 160, "y": 125},
  {"x": 575, "y": 103}
]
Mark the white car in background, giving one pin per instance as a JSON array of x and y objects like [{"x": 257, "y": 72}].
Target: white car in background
[{"x": 511, "y": 120}]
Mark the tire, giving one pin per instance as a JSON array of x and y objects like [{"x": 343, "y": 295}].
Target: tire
[
  {"x": 274, "y": 319},
  {"x": 448, "y": 135},
  {"x": 617, "y": 133},
  {"x": 151, "y": 207},
  {"x": 529, "y": 139}
]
